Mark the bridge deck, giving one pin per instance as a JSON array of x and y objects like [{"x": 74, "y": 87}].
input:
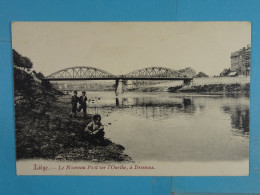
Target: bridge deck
[{"x": 123, "y": 78}]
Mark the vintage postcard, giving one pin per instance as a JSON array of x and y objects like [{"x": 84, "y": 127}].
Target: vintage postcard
[{"x": 132, "y": 98}]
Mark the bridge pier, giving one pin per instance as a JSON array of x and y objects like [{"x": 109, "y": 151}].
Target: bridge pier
[
  {"x": 187, "y": 82},
  {"x": 119, "y": 87}
]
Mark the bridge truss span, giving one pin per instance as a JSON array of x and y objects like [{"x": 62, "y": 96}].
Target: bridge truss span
[
  {"x": 81, "y": 73},
  {"x": 154, "y": 72},
  {"x": 90, "y": 73}
]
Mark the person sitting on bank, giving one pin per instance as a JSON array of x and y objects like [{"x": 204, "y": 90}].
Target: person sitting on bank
[
  {"x": 95, "y": 128},
  {"x": 83, "y": 103},
  {"x": 74, "y": 103}
]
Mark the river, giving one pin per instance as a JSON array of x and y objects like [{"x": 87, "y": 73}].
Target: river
[{"x": 175, "y": 127}]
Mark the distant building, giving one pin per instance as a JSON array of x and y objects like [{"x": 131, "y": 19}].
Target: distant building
[
  {"x": 240, "y": 62},
  {"x": 225, "y": 72}
]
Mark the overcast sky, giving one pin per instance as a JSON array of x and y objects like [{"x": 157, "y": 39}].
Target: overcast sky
[{"x": 121, "y": 47}]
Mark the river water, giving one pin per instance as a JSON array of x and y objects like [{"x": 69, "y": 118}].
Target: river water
[{"x": 175, "y": 127}]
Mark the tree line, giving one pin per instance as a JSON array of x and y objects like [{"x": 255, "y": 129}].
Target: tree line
[{"x": 24, "y": 81}]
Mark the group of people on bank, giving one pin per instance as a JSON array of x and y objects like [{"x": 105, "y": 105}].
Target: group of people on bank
[
  {"x": 94, "y": 128},
  {"x": 82, "y": 100}
]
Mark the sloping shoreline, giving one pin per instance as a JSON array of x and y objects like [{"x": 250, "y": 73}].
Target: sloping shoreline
[{"x": 44, "y": 128}]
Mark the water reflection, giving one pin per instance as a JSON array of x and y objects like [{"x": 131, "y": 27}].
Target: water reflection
[
  {"x": 239, "y": 115},
  {"x": 176, "y": 127},
  {"x": 162, "y": 108},
  {"x": 154, "y": 108}
]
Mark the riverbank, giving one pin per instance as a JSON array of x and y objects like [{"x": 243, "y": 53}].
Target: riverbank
[
  {"x": 44, "y": 127},
  {"x": 213, "y": 89},
  {"x": 209, "y": 85}
]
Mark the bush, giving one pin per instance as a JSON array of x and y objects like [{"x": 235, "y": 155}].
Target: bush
[{"x": 23, "y": 82}]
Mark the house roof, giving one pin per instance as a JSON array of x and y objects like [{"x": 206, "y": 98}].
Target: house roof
[{"x": 232, "y": 73}]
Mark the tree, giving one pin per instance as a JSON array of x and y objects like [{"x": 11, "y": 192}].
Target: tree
[
  {"x": 17, "y": 58},
  {"x": 39, "y": 75},
  {"x": 21, "y": 61},
  {"x": 27, "y": 63},
  {"x": 202, "y": 74}
]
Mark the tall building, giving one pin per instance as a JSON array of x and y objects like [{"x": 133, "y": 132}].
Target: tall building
[{"x": 240, "y": 62}]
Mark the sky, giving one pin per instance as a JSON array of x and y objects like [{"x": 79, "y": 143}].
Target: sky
[{"x": 122, "y": 47}]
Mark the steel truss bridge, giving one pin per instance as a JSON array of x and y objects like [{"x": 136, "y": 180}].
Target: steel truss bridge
[{"x": 90, "y": 73}]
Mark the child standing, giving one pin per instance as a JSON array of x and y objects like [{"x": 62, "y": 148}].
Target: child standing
[
  {"x": 83, "y": 103},
  {"x": 74, "y": 103}
]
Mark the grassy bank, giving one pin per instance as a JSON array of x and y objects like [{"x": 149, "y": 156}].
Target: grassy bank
[{"x": 44, "y": 128}]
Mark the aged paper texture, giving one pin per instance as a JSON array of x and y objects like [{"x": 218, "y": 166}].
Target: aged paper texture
[{"x": 132, "y": 98}]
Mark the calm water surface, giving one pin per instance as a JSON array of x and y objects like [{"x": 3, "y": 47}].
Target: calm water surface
[{"x": 175, "y": 127}]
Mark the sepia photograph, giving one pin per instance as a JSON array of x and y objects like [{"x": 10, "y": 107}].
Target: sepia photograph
[{"x": 132, "y": 98}]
